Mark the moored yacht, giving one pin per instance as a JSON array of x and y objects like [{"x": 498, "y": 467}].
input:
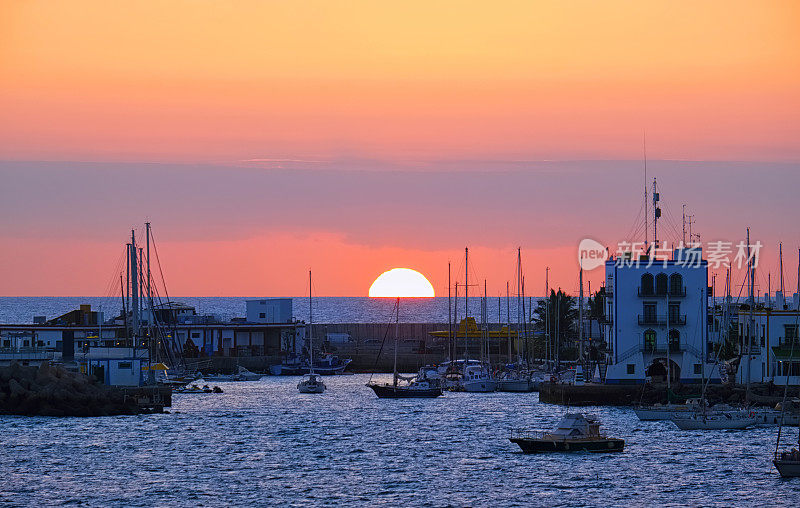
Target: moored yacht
[
  {"x": 575, "y": 433},
  {"x": 478, "y": 379},
  {"x": 310, "y": 383}
]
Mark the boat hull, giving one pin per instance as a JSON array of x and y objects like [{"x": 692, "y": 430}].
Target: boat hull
[
  {"x": 788, "y": 468},
  {"x": 304, "y": 388},
  {"x": 402, "y": 392},
  {"x": 714, "y": 423},
  {"x": 480, "y": 386},
  {"x": 549, "y": 446},
  {"x": 514, "y": 385}
]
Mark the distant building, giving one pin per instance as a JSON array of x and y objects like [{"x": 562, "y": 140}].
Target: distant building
[
  {"x": 270, "y": 310},
  {"x": 656, "y": 319},
  {"x": 774, "y": 354}
]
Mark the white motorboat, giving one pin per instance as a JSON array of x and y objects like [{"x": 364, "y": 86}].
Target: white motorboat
[
  {"x": 714, "y": 420},
  {"x": 478, "y": 379}
]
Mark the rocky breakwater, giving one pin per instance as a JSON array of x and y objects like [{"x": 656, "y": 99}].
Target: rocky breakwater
[{"x": 50, "y": 390}]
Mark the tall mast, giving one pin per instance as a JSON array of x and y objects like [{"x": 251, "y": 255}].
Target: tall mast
[
  {"x": 519, "y": 295},
  {"x": 149, "y": 287},
  {"x": 549, "y": 346},
  {"x": 508, "y": 321},
  {"x": 486, "y": 321},
  {"x": 683, "y": 221},
  {"x": 455, "y": 320},
  {"x": 525, "y": 353},
  {"x": 450, "y": 355},
  {"x": 466, "y": 301},
  {"x": 646, "y": 210},
  {"x": 134, "y": 269},
  {"x": 780, "y": 258},
  {"x": 396, "y": 340},
  {"x": 656, "y": 214},
  {"x": 311, "y": 330},
  {"x": 580, "y": 316},
  {"x": 751, "y": 324}
]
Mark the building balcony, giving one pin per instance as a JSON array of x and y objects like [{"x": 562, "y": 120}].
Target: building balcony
[
  {"x": 661, "y": 320},
  {"x": 674, "y": 293},
  {"x": 660, "y": 348}
]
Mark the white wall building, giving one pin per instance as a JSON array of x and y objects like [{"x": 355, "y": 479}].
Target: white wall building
[
  {"x": 657, "y": 319},
  {"x": 775, "y": 350},
  {"x": 271, "y": 310}
]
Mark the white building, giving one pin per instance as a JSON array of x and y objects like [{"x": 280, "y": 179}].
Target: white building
[
  {"x": 269, "y": 310},
  {"x": 775, "y": 350},
  {"x": 657, "y": 319}
]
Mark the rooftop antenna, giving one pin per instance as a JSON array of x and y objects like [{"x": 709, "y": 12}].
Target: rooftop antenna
[
  {"x": 780, "y": 257},
  {"x": 684, "y": 224},
  {"x": 656, "y": 214}
]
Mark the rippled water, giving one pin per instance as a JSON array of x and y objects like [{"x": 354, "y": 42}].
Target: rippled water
[{"x": 264, "y": 443}]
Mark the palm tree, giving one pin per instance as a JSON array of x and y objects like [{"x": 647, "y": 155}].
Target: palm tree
[{"x": 563, "y": 316}]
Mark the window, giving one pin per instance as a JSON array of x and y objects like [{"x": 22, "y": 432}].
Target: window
[
  {"x": 195, "y": 335},
  {"x": 262, "y": 315},
  {"x": 647, "y": 284},
  {"x": 649, "y": 310},
  {"x": 698, "y": 368},
  {"x": 6, "y": 343},
  {"x": 674, "y": 340},
  {"x": 790, "y": 334},
  {"x": 674, "y": 312},
  {"x": 125, "y": 365},
  {"x": 676, "y": 284},
  {"x": 631, "y": 368},
  {"x": 650, "y": 340},
  {"x": 661, "y": 284}
]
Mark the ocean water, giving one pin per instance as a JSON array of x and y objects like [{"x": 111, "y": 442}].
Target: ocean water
[
  {"x": 263, "y": 443},
  {"x": 15, "y": 309}
]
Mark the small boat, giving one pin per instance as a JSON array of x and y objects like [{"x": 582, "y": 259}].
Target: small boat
[
  {"x": 242, "y": 374},
  {"x": 478, "y": 379},
  {"x": 310, "y": 383},
  {"x": 575, "y": 433},
  {"x": 788, "y": 463},
  {"x": 714, "y": 420},
  {"x": 292, "y": 365},
  {"x": 666, "y": 411},
  {"x": 419, "y": 387}
]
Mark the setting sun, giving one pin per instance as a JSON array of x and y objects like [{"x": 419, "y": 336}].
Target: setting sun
[{"x": 401, "y": 282}]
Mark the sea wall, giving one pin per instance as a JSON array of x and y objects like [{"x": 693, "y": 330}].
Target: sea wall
[{"x": 49, "y": 390}]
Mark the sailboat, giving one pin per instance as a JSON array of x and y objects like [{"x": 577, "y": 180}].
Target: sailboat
[
  {"x": 311, "y": 382},
  {"x": 420, "y": 386},
  {"x": 787, "y": 462}
]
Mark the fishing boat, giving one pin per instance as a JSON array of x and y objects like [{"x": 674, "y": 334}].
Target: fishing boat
[
  {"x": 419, "y": 386},
  {"x": 575, "y": 433},
  {"x": 311, "y": 383}
]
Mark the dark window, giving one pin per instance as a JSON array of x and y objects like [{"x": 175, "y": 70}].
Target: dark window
[
  {"x": 649, "y": 311},
  {"x": 675, "y": 284},
  {"x": 195, "y": 335},
  {"x": 631, "y": 368},
  {"x": 674, "y": 312},
  {"x": 262, "y": 315},
  {"x": 661, "y": 284},
  {"x": 698, "y": 368},
  {"x": 674, "y": 340},
  {"x": 6, "y": 343},
  {"x": 124, "y": 365},
  {"x": 790, "y": 334},
  {"x": 647, "y": 284}
]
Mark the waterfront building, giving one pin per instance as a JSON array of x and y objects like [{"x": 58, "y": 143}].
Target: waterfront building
[
  {"x": 770, "y": 334},
  {"x": 656, "y": 319}
]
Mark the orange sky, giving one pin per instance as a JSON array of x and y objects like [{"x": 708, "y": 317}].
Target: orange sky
[{"x": 422, "y": 86}]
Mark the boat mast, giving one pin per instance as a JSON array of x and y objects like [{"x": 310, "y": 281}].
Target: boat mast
[
  {"x": 580, "y": 316},
  {"x": 150, "y": 318},
  {"x": 751, "y": 324},
  {"x": 311, "y": 329},
  {"x": 549, "y": 346},
  {"x": 396, "y": 339},
  {"x": 466, "y": 302},
  {"x": 525, "y": 353},
  {"x": 508, "y": 322},
  {"x": 780, "y": 258},
  {"x": 519, "y": 295},
  {"x": 134, "y": 268},
  {"x": 449, "y": 318}
]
